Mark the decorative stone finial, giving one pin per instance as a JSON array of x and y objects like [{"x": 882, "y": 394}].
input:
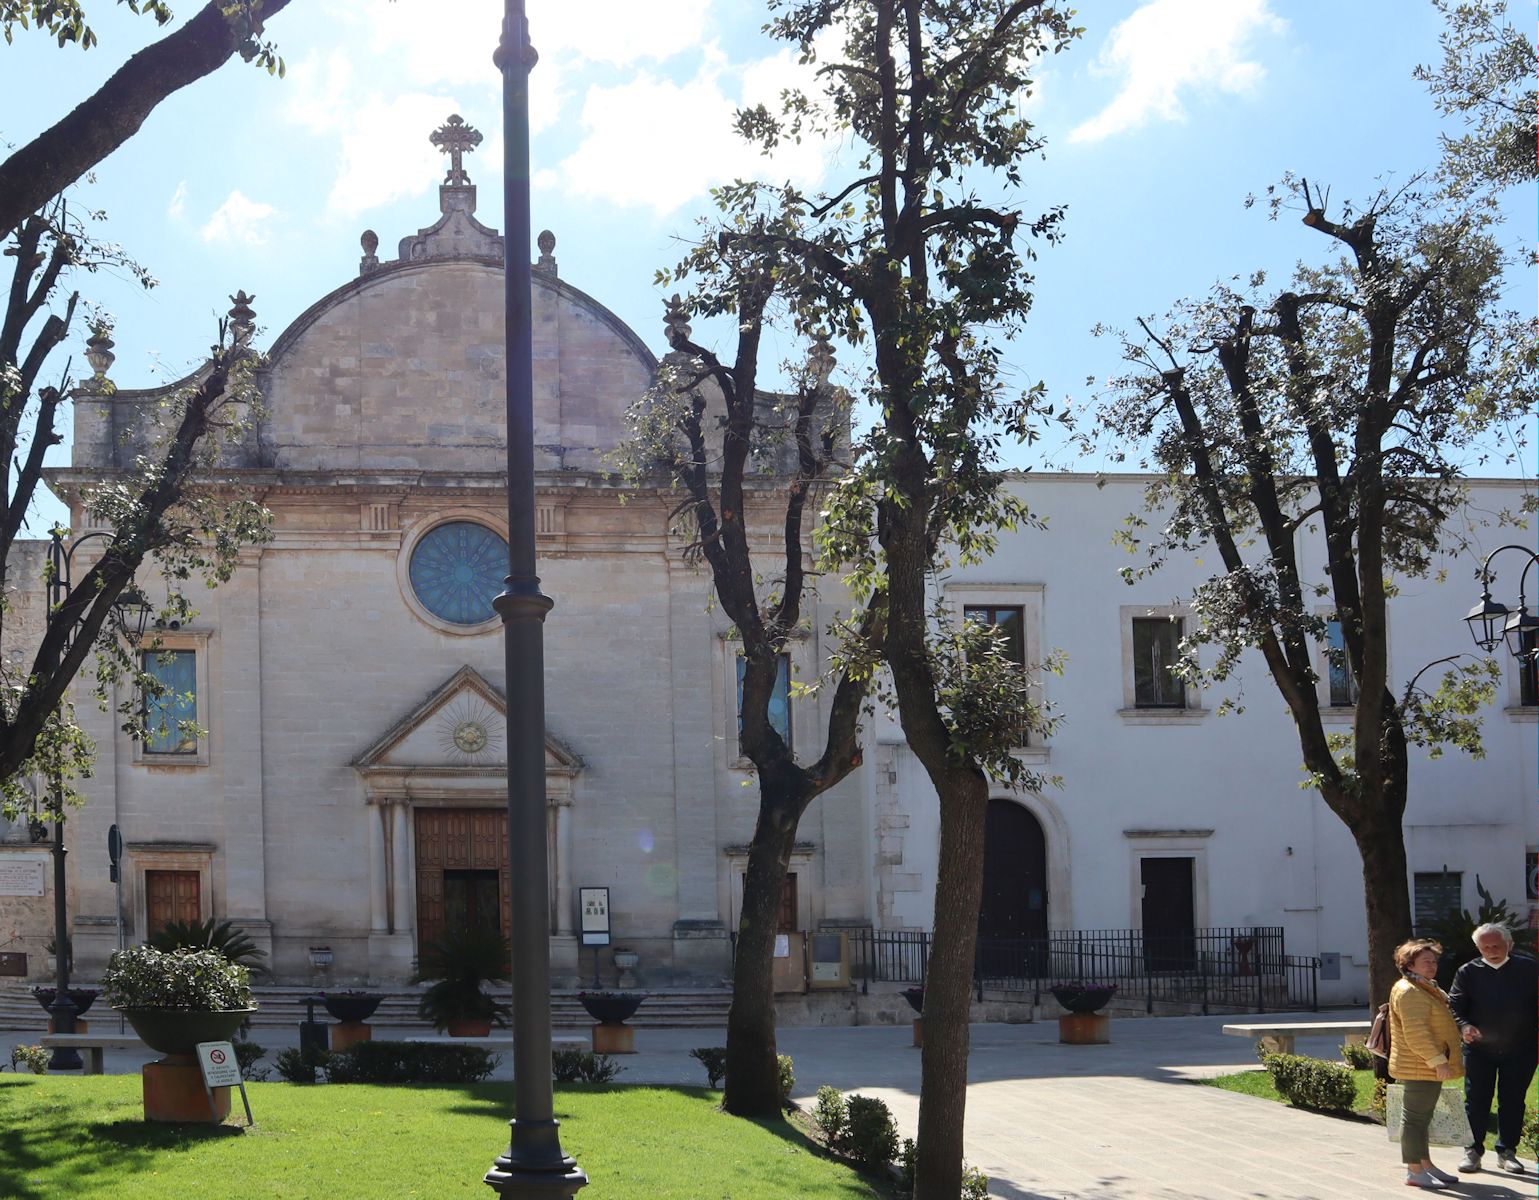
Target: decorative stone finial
[
  {"x": 242, "y": 318},
  {"x": 456, "y": 139},
  {"x": 99, "y": 352},
  {"x": 675, "y": 320},
  {"x": 370, "y": 260},
  {"x": 547, "y": 261},
  {"x": 821, "y": 359}
]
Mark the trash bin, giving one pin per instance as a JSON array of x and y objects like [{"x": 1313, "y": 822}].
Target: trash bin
[{"x": 313, "y": 1034}]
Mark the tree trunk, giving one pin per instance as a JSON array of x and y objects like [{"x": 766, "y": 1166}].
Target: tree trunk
[
  {"x": 948, "y": 986},
  {"x": 753, "y": 1074},
  {"x": 1381, "y": 843}
]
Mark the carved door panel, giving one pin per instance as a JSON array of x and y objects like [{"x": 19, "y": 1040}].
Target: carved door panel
[
  {"x": 458, "y": 849},
  {"x": 171, "y": 896}
]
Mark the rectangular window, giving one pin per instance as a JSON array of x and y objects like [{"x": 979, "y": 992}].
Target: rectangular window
[
  {"x": 780, "y": 698},
  {"x": 164, "y": 715},
  {"x": 1343, "y": 683},
  {"x": 1156, "y": 642},
  {"x": 1528, "y": 674},
  {"x": 1009, "y": 619},
  {"x": 1437, "y": 893}
]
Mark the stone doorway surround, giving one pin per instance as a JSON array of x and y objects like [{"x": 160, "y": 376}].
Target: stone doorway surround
[{"x": 450, "y": 751}]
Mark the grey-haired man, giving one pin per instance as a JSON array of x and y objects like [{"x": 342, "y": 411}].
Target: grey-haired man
[{"x": 1493, "y": 998}]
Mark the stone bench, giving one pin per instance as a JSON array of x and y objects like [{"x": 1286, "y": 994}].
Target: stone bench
[
  {"x": 1278, "y": 1039},
  {"x": 94, "y": 1045}
]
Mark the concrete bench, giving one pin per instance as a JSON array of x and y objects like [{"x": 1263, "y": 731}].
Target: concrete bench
[
  {"x": 503, "y": 1042},
  {"x": 94, "y": 1046},
  {"x": 1278, "y": 1039}
]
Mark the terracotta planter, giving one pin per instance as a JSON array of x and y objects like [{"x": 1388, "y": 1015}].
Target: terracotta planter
[
  {"x": 173, "y": 1091},
  {"x": 919, "y": 1033},
  {"x": 349, "y": 1033},
  {"x": 1084, "y": 1029},
  {"x": 614, "y": 1038},
  {"x": 468, "y": 1028}
]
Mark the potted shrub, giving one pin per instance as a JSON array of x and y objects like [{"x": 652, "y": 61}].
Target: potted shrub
[
  {"x": 175, "y": 999},
  {"x": 351, "y": 1008},
  {"x": 611, "y": 1010},
  {"x": 1084, "y": 1024},
  {"x": 455, "y": 967}
]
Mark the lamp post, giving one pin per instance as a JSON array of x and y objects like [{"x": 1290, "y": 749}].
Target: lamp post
[
  {"x": 130, "y": 612},
  {"x": 1491, "y": 621},
  {"x": 534, "y": 1166}
]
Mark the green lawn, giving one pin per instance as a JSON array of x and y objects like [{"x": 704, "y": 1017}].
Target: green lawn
[
  {"x": 83, "y": 1137},
  {"x": 1258, "y": 1083}
]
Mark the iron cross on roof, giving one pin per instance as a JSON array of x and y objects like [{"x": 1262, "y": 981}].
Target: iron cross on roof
[{"x": 455, "y": 138}]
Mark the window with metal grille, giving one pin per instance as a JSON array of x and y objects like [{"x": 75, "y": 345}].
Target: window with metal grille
[
  {"x": 1437, "y": 893},
  {"x": 1343, "y": 682},
  {"x": 1156, "y": 650}
]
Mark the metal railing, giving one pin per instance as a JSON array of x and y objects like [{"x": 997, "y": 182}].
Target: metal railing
[{"x": 1233, "y": 967}]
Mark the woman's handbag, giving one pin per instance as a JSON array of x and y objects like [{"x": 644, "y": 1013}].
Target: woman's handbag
[{"x": 1378, "y": 1036}]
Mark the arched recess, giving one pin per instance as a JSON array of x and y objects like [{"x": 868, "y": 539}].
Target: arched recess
[{"x": 1025, "y": 890}]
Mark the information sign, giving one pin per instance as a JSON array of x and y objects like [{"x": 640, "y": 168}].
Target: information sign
[
  {"x": 593, "y": 903},
  {"x": 221, "y": 1068}
]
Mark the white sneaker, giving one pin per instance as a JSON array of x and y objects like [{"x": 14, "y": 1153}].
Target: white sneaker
[
  {"x": 1471, "y": 1162},
  {"x": 1423, "y": 1179},
  {"x": 1509, "y": 1162}
]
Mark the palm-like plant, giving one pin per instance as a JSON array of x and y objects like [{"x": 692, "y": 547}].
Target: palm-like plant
[
  {"x": 225, "y": 937},
  {"x": 1456, "y": 928},
  {"x": 456, "y": 966}
]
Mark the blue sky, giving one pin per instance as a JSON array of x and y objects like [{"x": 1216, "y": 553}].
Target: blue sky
[{"x": 1160, "y": 121}]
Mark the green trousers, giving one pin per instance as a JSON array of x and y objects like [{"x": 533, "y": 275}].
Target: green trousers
[{"x": 1416, "y": 1117}]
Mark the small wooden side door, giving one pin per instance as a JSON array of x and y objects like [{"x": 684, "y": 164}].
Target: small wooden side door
[{"x": 171, "y": 896}]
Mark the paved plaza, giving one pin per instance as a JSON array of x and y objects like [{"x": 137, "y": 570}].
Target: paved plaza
[{"x": 1051, "y": 1122}]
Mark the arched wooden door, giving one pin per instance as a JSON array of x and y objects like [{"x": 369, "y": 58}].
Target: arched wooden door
[{"x": 1012, "y": 920}]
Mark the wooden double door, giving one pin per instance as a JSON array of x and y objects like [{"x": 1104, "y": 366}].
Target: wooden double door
[
  {"x": 172, "y": 896},
  {"x": 463, "y": 876}
]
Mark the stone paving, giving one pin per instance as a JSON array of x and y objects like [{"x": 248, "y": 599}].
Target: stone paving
[{"x": 1117, "y": 1122}]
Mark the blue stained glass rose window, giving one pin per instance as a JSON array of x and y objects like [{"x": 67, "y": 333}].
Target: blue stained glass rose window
[{"x": 456, "y": 570}]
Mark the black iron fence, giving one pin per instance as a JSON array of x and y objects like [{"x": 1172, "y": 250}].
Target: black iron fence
[{"x": 1235, "y": 967}]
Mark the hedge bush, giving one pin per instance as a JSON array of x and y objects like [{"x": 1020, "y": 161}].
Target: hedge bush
[
  {"x": 830, "y": 1114},
  {"x": 1357, "y": 1056},
  {"x": 1311, "y": 1083},
  {"x": 871, "y": 1135},
  {"x": 410, "y": 1062},
  {"x": 714, "y": 1060},
  {"x": 571, "y": 1064},
  {"x": 787, "y": 1077}
]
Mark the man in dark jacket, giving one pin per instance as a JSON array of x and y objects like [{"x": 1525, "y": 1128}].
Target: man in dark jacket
[{"x": 1494, "y": 1000}]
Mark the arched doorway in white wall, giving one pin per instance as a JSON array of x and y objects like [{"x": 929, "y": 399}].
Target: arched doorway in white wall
[{"x": 1013, "y": 916}]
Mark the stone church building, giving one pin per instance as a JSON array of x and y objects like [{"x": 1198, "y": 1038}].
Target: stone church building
[{"x": 347, "y": 794}]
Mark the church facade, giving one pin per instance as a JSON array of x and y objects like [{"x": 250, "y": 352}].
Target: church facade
[{"x": 346, "y": 798}]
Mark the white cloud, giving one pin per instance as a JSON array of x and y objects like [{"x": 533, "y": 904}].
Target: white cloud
[
  {"x": 178, "y": 204},
  {"x": 239, "y": 219},
  {"x": 1170, "y": 47},
  {"x": 628, "y": 158},
  {"x": 616, "y": 32}
]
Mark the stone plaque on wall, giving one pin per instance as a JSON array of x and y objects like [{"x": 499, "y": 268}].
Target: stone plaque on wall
[{"x": 21, "y": 877}]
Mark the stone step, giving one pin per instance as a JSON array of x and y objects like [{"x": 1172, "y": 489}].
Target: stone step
[{"x": 664, "y": 1008}]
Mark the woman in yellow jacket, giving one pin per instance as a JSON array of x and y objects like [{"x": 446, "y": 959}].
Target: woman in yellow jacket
[{"x": 1424, "y": 1050}]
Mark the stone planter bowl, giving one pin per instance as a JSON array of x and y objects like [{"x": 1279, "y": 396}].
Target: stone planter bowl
[
  {"x": 1084, "y": 1000},
  {"x": 81, "y": 998},
  {"x": 352, "y": 1008},
  {"x": 179, "y": 1030},
  {"x": 611, "y": 1008},
  {"x": 915, "y": 998}
]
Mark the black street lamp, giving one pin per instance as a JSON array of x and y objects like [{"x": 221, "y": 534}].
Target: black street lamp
[
  {"x": 534, "y": 1166},
  {"x": 131, "y": 612},
  {"x": 1491, "y": 621}
]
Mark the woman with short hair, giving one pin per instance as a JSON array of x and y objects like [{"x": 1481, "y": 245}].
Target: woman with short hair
[{"x": 1424, "y": 1046}]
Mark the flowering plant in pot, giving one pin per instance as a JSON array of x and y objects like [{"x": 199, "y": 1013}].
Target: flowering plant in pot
[
  {"x": 455, "y": 967},
  {"x": 611, "y": 1008},
  {"x": 175, "y": 999},
  {"x": 1080, "y": 997}
]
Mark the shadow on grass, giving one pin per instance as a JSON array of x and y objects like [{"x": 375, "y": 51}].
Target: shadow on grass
[{"x": 50, "y": 1138}]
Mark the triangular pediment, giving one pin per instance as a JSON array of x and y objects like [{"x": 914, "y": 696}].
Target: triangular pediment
[{"x": 460, "y": 728}]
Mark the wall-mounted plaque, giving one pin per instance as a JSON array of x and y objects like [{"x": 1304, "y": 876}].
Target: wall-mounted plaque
[{"x": 21, "y": 877}]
